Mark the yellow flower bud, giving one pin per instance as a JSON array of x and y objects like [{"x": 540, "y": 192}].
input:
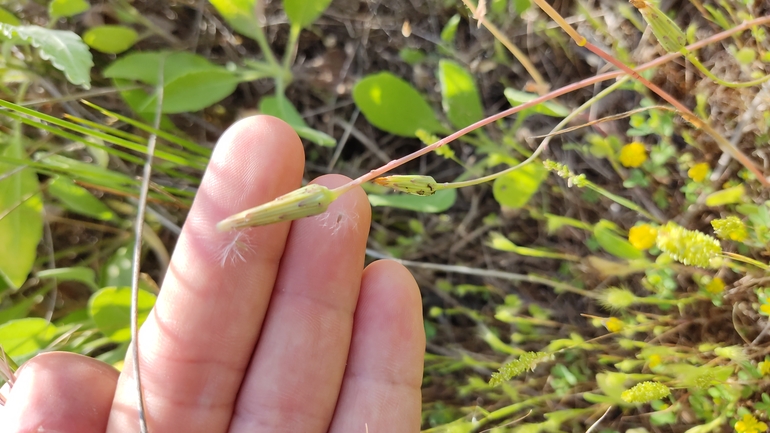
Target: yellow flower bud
[
  {"x": 642, "y": 237},
  {"x": 415, "y": 185},
  {"x": 645, "y": 392},
  {"x": 304, "y": 202},
  {"x": 731, "y": 228}
]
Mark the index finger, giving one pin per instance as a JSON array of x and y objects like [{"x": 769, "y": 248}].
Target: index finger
[{"x": 195, "y": 346}]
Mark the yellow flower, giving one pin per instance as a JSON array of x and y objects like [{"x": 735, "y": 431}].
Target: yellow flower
[
  {"x": 633, "y": 154},
  {"x": 715, "y": 286},
  {"x": 613, "y": 324},
  {"x": 765, "y": 308},
  {"x": 749, "y": 424},
  {"x": 655, "y": 360},
  {"x": 764, "y": 367},
  {"x": 698, "y": 172},
  {"x": 643, "y": 236}
]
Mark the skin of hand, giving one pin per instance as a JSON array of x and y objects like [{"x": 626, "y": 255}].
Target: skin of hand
[{"x": 272, "y": 329}]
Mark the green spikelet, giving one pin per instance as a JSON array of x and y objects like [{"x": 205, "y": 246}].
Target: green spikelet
[
  {"x": 527, "y": 361},
  {"x": 688, "y": 246},
  {"x": 645, "y": 392},
  {"x": 730, "y": 228}
]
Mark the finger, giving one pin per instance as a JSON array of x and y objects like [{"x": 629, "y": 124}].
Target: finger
[
  {"x": 297, "y": 369},
  {"x": 196, "y": 344},
  {"x": 60, "y": 392},
  {"x": 381, "y": 387}
]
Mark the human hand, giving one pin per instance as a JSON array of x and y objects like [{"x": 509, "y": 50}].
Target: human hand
[{"x": 272, "y": 329}]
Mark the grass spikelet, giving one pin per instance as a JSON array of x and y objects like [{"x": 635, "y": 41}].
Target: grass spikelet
[
  {"x": 688, "y": 246},
  {"x": 645, "y": 392},
  {"x": 527, "y": 361},
  {"x": 410, "y": 184}
]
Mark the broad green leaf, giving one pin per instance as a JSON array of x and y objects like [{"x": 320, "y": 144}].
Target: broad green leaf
[
  {"x": 110, "y": 39},
  {"x": 613, "y": 243},
  {"x": 240, "y": 14},
  {"x": 726, "y": 196},
  {"x": 459, "y": 95},
  {"x": 24, "y": 337},
  {"x": 393, "y": 105},
  {"x": 21, "y": 219},
  {"x": 304, "y": 12},
  {"x": 66, "y": 8},
  {"x": 283, "y": 109},
  {"x": 8, "y": 18},
  {"x": 549, "y": 108},
  {"x": 80, "y": 274},
  {"x": 516, "y": 188},
  {"x": 64, "y": 49},
  {"x": 117, "y": 270},
  {"x": 145, "y": 67},
  {"x": 436, "y": 203},
  {"x": 78, "y": 199},
  {"x": 195, "y": 91},
  {"x": 110, "y": 310},
  {"x": 411, "y": 56}
]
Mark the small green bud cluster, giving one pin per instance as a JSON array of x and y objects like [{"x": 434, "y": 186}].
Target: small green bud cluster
[
  {"x": 527, "y": 361},
  {"x": 645, "y": 392}
]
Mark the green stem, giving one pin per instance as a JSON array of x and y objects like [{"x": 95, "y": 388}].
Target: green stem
[
  {"x": 291, "y": 47},
  {"x": 694, "y": 60}
]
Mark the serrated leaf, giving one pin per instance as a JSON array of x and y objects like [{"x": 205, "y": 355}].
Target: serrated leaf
[
  {"x": 548, "y": 108},
  {"x": 21, "y": 221},
  {"x": 459, "y": 95},
  {"x": 66, "y": 8},
  {"x": 240, "y": 14},
  {"x": 393, "y": 105},
  {"x": 80, "y": 274},
  {"x": 64, "y": 49},
  {"x": 23, "y": 337},
  {"x": 283, "y": 109},
  {"x": 110, "y": 309},
  {"x": 439, "y": 202},
  {"x": 110, "y": 39},
  {"x": 516, "y": 188},
  {"x": 304, "y": 12},
  {"x": 614, "y": 243},
  {"x": 78, "y": 199}
]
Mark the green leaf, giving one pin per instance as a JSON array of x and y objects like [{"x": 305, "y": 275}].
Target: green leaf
[
  {"x": 110, "y": 309},
  {"x": 66, "y": 8},
  {"x": 459, "y": 95},
  {"x": 8, "y": 18},
  {"x": 194, "y": 91},
  {"x": 516, "y": 188},
  {"x": 500, "y": 242},
  {"x": 24, "y": 337},
  {"x": 436, "y": 203},
  {"x": 726, "y": 196},
  {"x": 21, "y": 220},
  {"x": 240, "y": 14},
  {"x": 304, "y": 12},
  {"x": 78, "y": 199},
  {"x": 64, "y": 49},
  {"x": 283, "y": 109},
  {"x": 190, "y": 82},
  {"x": 604, "y": 232},
  {"x": 110, "y": 39},
  {"x": 548, "y": 108},
  {"x": 80, "y": 274},
  {"x": 450, "y": 29},
  {"x": 117, "y": 270},
  {"x": 393, "y": 105}
]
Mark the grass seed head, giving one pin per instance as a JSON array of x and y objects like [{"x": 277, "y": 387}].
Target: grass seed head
[
  {"x": 645, "y": 392},
  {"x": 410, "y": 184},
  {"x": 688, "y": 246},
  {"x": 304, "y": 202}
]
